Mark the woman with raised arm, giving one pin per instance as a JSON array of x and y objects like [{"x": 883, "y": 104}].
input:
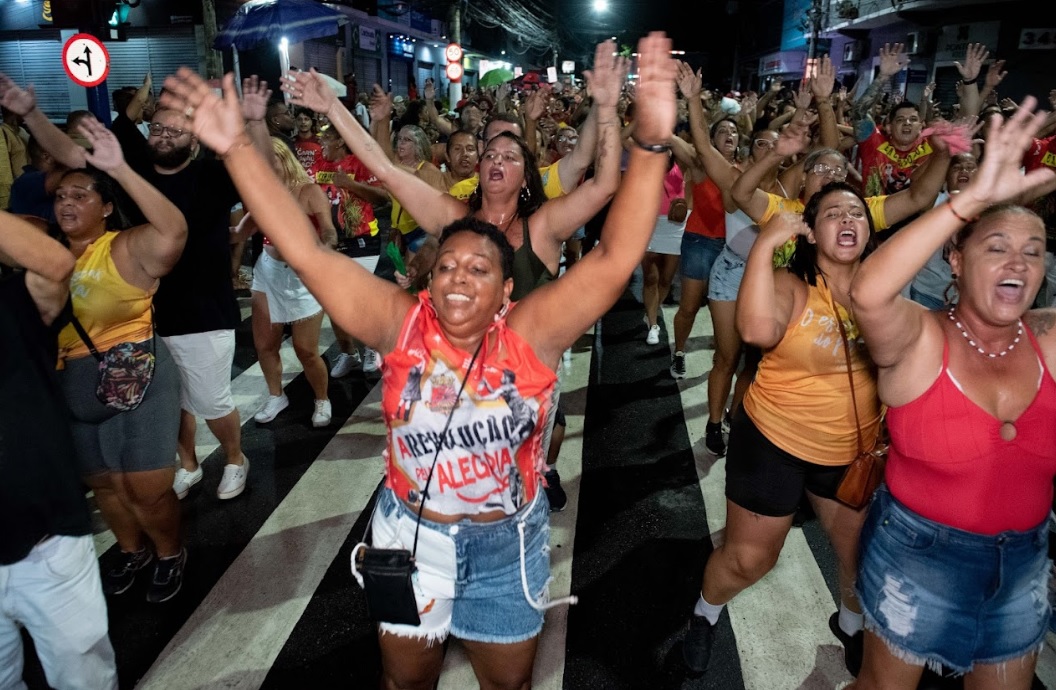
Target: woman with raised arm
[
  {"x": 125, "y": 457},
  {"x": 510, "y": 193},
  {"x": 280, "y": 298},
  {"x": 446, "y": 351},
  {"x": 954, "y": 550},
  {"x": 802, "y": 415}
]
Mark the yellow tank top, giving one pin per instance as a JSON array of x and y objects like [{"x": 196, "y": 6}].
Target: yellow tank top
[
  {"x": 801, "y": 398},
  {"x": 111, "y": 310},
  {"x": 400, "y": 219}
]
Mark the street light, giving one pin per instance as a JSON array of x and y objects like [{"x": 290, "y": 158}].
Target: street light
[{"x": 601, "y": 5}]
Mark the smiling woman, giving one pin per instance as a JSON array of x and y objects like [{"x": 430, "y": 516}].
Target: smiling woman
[
  {"x": 973, "y": 448},
  {"x": 461, "y": 357}
]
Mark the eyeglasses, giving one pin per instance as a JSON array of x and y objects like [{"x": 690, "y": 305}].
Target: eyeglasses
[
  {"x": 566, "y": 138},
  {"x": 157, "y": 130},
  {"x": 764, "y": 143},
  {"x": 405, "y": 140},
  {"x": 822, "y": 170}
]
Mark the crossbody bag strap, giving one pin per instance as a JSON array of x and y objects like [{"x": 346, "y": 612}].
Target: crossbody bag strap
[
  {"x": 850, "y": 375},
  {"x": 84, "y": 336},
  {"x": 440, "y": 443}
]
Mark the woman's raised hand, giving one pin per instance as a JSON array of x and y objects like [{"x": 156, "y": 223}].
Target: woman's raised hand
[
  {"x": 999, "y": 178},
  {"x": 308, "y": 89},
  {"x": 106, "y": 152},
  {"x": 216, "y": 121},
  {"x": 607, "y": 78},
  {"x": 16, "y": 99},
  {"x": 255, "y": 97},
  {"x": 380, "y": 104},
  {"x": 689, "y": 82},
  {"x": 657, "y": 106}
]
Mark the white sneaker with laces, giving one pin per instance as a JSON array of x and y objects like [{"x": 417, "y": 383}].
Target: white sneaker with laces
[
  {"x": 371, "y": 360},
  {"x": 233, "y": 482},
  {"x": 185, "y": 480},
  {"x": 345, "y": 363},
  {"x": 272, "y": 408},
  {"x": 323, "y": 413},
  {"x": 654, "y": 335}
]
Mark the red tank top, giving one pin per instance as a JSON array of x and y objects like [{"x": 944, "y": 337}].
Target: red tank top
[
  {"x": 709, "y": 214},
  {"x": 492, "y": 456},
  {"x": 948, "y": 463}
]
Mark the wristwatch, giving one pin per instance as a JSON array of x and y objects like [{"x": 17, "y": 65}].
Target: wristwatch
[{"x": 651, "y": 148}]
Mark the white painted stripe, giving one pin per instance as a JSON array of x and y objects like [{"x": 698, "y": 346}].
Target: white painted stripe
[
  {"x": 237, "y": 632},
  {"x": 794, "y": 649}
]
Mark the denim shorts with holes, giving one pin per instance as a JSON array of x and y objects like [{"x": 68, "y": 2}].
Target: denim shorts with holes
[{"x": 942, "y": 596}]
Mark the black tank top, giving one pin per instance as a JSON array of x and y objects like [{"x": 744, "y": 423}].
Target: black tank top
[{"x": 529, "y": 271}]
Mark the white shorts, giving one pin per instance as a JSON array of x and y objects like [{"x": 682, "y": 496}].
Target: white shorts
[
  {"x": 288, "y": 299},
  {"x": 205, "y": 361},
  {"x": 667, "y": 236}
]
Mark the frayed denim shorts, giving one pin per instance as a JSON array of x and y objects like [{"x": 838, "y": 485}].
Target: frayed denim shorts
[
  {"x": 942, "y": 596},
  {"x": 469, "y": 581},
  {"x": 699, "y": 254}
]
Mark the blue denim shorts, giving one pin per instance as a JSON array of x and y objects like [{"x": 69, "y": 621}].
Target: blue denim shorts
[
  {"x": 726, "y": 275},
  {"x": 942, "y": 596},
  {"x": 699, "y": 254},
  {"x": 468, "y": 579}
]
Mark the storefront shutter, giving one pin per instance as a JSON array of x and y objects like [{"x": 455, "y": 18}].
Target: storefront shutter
[{"x": 35, "y": 57}]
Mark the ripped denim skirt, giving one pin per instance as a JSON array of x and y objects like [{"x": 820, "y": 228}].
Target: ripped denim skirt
[{"x": 940, "y": 596}]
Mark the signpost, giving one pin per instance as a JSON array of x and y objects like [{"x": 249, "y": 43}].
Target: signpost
[{"x": 87, "y": 62}]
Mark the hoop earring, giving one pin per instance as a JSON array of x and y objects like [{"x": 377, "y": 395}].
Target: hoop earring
[{"x": 952, "y": 286}]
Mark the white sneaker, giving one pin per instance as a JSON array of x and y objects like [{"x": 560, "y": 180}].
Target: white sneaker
[
  {"x": 371, "y": 360},
  {"x": 323, "y": 413},
  {"x": 345, "y": 363},
  {"x": 185, "y": 480},
  {"x": 272, "y": 408},
  {"x": 654, "y": 335},
  {"x": 233, "y": 482}
]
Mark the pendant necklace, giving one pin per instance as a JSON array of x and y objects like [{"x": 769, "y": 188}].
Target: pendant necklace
[{"x": 1008, "y": 428}]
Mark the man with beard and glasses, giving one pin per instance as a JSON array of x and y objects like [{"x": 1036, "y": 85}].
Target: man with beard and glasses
[{"x": 195, "y": 309}]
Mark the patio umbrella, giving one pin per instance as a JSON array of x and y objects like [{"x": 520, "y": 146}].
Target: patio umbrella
[
  {"x": 269, "y": 21},
  {"x": 529, "y": 78},
  {"x": 495, "y": 77}
]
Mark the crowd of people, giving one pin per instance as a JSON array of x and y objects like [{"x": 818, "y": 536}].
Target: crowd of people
[{"x": 876, "y": 271}]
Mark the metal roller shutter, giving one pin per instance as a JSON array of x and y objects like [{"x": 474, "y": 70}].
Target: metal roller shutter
[
  {"x": 398, "y": 72},
  {"x": 161, "y": 51},
  {"x": 35, "y": 57},
  {"x": 321, "y": 56},
  {"x": 367, "y": 70},
  {"x": 425, "y": 71}
]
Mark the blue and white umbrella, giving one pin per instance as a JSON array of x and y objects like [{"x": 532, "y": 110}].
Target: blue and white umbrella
[{"x": 269, "y": 21}]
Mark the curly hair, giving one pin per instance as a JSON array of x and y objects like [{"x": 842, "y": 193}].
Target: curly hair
[{"x": 487, "y": 230}]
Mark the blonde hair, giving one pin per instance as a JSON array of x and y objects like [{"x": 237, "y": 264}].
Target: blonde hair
[{"x": 291, "y": 172}]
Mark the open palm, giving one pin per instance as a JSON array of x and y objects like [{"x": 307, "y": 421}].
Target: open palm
[
  {"x": 216, "y": 121},
  {"x": 308, "y": 89}
]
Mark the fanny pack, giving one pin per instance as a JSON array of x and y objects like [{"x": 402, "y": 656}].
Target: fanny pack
[{"x": 125, "y": 371}]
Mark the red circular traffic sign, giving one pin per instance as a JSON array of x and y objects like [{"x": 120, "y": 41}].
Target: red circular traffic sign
[
  {"x": 453, "y": 52},
  {"x": 86, "y": 60},
  {"x": 454, "y": 71}
]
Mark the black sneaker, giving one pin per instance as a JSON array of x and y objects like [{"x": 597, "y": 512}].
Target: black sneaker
[
  {"x": 118, "y": 579},
  {"x": 678, "y": 365},
  {"x": 168, "y": 578},
  {"x": 554, "y": 493},
  {"x": 727, "y": 422},
  {"x": 696, "y": 650},
  {"x": 853, "y": 645},
  {"x": 713, "y": 439}
]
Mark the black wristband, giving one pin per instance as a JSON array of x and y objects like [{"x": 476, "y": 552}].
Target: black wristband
[
  {"x": 651, "y": 148},
  {"x": 969, "y": 82}
]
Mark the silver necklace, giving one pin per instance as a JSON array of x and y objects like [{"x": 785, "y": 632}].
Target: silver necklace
[{"x": 993, "y": 355}]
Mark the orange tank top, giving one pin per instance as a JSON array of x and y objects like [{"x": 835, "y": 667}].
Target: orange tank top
[
  {"x": 801, "y": 398},
  {"x": 492, "y": 455},
  {"x": 111, "y": 310},
  {"x": 709, "y": 214}
]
